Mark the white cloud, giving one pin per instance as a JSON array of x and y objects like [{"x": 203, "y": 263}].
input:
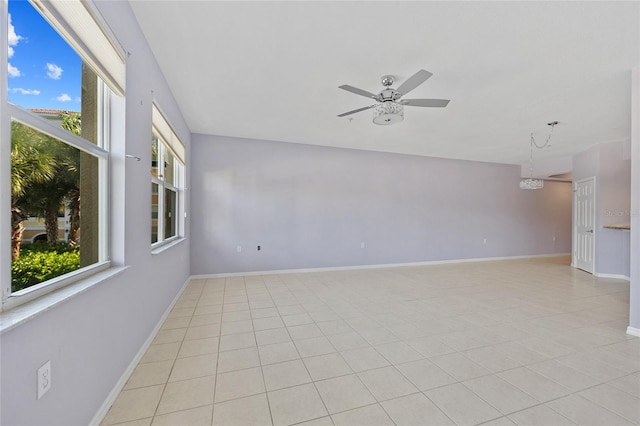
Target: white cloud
[
  {"x": 63, "y": 98},
  {"x": 54, "y": 71},
  {"x": 13, "y": 40},
  {"x": 24, "y": 91},
  {"x": 13, "y": 71},
  {"x": 13, "y": 37}
]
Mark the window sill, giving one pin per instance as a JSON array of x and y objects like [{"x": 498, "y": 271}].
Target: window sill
[
  {"x": 167, "y": 246},
  {"x": 20, "y": 314}
]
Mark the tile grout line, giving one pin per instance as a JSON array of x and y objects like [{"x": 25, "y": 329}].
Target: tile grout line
[{"x": 264, "y": 382}]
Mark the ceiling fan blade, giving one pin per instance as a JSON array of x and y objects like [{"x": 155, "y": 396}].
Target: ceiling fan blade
[
  {"x": 358, "y": 91},
  {"x": 436, "y": 103},
  {"x": 356, "y": 110},
  {"x": 414, "y": 81}
]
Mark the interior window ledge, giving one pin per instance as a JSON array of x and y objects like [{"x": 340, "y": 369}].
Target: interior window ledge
[
  {"x": 13, "y": 317},
  {"x": 167, "y": 246}
]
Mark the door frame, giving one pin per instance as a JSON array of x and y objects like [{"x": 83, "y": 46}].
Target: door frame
[{"x": 574, "y": 224}]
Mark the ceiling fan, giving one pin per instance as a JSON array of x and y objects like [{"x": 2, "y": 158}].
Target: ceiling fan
[{"x": 389, "y": 108}]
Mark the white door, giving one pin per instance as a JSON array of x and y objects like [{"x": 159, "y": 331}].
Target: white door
[{"x": 584, "y": 221}]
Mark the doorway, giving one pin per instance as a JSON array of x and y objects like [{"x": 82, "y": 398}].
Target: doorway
[{"x": 584, "y": 217}]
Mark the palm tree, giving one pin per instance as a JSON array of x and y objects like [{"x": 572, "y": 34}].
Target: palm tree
[
  {"x": 30, "y": 164},
  {"x": 45, "y": 199},
  {"x": 71, "y": 122}
]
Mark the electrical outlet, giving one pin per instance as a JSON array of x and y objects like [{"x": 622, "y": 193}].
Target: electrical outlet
[
  {"x": 239, "y": 249},
  {"x": 258, "y": 248},
  {"x": 44, "y": 379}
]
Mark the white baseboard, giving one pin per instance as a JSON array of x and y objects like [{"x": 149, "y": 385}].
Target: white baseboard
[
  {"x": 384, "y": 265},
  {"x": 633, "y": 331},
  {"x": 104, "y": 408},
  {"x": 615, "y": 276}
]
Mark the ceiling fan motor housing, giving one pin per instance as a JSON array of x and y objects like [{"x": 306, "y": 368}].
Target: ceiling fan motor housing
[{"x": 389, "y": 94}]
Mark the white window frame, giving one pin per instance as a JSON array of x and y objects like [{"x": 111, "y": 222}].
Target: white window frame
[
  {"x": 99, "y": 150},
  {"x": 168, "y": 141}
]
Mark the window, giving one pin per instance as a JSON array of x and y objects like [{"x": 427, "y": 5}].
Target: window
[
  {"x": 57, "y": 113},
  {"x": 167, "y": 183}
]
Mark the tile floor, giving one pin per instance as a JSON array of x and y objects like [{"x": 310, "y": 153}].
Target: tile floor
[{"x": 524, "y": 342}]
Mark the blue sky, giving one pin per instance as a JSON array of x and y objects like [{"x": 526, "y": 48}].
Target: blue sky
[{"x": 44, "y": 71}]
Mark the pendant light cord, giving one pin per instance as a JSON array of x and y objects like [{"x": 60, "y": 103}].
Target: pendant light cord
[
  {"x": 546, "y": 144},
  {"x": 533, "y": 143}
]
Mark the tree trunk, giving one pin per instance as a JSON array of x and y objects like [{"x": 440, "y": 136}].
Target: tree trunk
[
  {"x": 74, "y": 217},
  {"x": 51, "y": 224},
  {"x": 16, "y": 232}
]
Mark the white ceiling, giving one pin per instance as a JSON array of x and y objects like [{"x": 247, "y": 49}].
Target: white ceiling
[{"x": 271, "y": 70}]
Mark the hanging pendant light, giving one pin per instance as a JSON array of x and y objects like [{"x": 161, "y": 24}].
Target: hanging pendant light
[{"x": 530, "y": 182}]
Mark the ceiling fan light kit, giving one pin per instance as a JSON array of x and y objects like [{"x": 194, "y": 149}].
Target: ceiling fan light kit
[
  {"x": 390, "y": 108},
  {"x": 388, "y": 113}
]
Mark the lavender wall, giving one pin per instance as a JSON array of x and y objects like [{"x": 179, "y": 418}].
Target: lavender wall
[
  {"x": 610, "y": 163},
  {"x": 310, "y": 207},
  {"x": 91, "y": 339}
]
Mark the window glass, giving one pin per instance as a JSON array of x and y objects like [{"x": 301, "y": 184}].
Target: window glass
[
  {"x": 46, "y": 76},
  {"x": 169, "y": 164},
  {"x": 154, "y": 156},
  {"x": 47, "y": 177},
  {"x": 154, "y": 212},
  {"x": 170, "y": 204}
]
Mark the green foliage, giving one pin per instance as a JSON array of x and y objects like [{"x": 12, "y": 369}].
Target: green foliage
[
  {"x": 42, "y": 261},
  {"x": 43, "y": 246},
  {"x": 30, "y": 162},
  {"x": 71, "y": 122},
  {"x": 49, "y": 194}
]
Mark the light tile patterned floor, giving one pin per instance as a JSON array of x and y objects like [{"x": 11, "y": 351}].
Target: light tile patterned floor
[{"x": 525, "y": 342}]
